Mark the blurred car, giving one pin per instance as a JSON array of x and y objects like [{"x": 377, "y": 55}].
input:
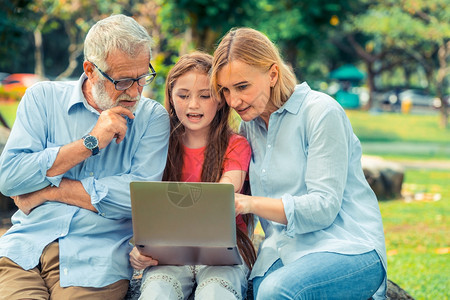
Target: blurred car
[
  {"x": 19, "y": 82},
  {"x": 3, "y": 75},
  {"x": 417, "y": 97}
]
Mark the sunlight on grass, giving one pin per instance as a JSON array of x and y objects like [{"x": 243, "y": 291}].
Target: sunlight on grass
[
  {"x": 8, "y": 111},
  {"x": 386, "y": 127},
  {"x": 418, "y": 237}
]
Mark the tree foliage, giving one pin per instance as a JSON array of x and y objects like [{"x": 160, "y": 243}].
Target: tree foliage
[
  {"x": 408, "y": 30},
  {"x": 301, "y": 28},
  {"x": 314, "y": 36},
  {"x": 206, "y": 21},
  {"x": 13, "y": 14}
]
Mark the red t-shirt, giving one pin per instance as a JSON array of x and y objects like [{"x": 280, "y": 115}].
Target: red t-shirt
[{"x": 237, "y": 157}]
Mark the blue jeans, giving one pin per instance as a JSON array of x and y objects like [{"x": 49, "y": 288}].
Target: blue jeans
[
  {"x": 322, "y": 275},
  {"x": 178, "y": 282}
]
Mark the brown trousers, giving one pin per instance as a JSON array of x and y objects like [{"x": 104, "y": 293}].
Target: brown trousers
[{"x": 42, "y": 282}]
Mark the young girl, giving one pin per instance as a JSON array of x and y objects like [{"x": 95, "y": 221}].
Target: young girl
[{"x": 202, "y": 147}]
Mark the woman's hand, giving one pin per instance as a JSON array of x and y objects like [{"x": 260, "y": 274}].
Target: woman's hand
[
  {"x": 139, "y": 261},
  {"x": 243, "y": 204},
  {"x": 267, "y": 208}
]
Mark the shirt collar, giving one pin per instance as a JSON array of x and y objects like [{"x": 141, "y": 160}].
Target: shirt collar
[
  {"x": 296, "y": 99},
  {"x": 293, "y": 104},
  {"x": 78, "y": 96}
]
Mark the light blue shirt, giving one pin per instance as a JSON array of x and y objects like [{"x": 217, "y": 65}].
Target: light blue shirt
[
  {"x": 311, "y": 159},
  {"x": 94, "y": 247}
]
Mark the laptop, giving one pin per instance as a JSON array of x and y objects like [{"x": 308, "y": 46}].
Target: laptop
[{"x": 185, "y": 223}]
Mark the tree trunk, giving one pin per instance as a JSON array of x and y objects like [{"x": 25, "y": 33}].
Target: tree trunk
[
  {"x": 186, "y": 43},
  {"x": 38, "y": 52},
  {"x": 442, "y": 82},
  {"x": 369, "y": 60},
  {"x": 75, "y": 51},
  {"x": 292, "y": 58},
  {"x": 370, "y": 84}
]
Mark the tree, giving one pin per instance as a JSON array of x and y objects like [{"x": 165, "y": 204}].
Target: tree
[
  {"x": 301, "y": 28},
  {"x": 43, "y": 18},
  {"x": 13, "y": 14},
  {"x": 415, "y": 29},
  {"x": 76, "y": 16},
  {"x": 376, "y": 56},
  {"x": 206, "y": 21}
]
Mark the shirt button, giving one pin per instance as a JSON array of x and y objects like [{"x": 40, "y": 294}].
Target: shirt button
[
  {"x": 268, "y": 146},
  {"x": 65, "y": 271},
  {"x": 62, "y": 234},
  {"x": 264, "y": 170},
  {"x": 103, "y": 214},
  {"x": 91, "y": 174}
]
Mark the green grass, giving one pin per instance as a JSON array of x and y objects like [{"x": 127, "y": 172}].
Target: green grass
[
  {"x": 401, "y": 136},
  {"x": 390, "y": 127},
  {"x": 417, "y": 231},
  {"x": 418, "y": 237},
  {"x": 8, "y": 111}
]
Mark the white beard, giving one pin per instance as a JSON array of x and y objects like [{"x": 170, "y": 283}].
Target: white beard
[{"x": 104, "y": 101}]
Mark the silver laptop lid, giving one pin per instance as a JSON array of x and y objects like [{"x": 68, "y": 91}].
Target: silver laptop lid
[{"x": 185, "y": 222}]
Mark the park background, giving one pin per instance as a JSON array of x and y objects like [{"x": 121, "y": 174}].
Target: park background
[{"x": 364, "y": 53}]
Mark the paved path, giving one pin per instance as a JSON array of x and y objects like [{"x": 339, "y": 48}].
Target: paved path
[
  {"x": 426, "y": 164},
  {"x": 408, "y": 148}
]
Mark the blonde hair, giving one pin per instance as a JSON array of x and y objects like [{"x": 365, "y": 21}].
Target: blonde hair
[
  {"x": 117, "y": 32},
  {"x": 254, "y": 49}
]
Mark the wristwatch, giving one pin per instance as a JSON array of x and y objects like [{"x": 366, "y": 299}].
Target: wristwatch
[{"x": 91, "y": 143}]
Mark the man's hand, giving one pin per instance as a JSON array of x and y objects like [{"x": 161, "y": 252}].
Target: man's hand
[
  {"x": 27, "y": 202},
  {"x": 111, "y": 124},
  {"x": 139, "y": 261}
]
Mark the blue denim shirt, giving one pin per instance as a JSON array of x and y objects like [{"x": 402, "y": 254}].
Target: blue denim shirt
[
  {"x": 311, "y": 159},
  {"x": 94, "y": 247}
]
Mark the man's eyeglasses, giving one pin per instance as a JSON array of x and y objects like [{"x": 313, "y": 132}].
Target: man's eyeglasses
[{"x": 124, "y": 84}]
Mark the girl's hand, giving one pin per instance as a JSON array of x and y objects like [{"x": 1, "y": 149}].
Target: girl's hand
[
  {"x": 139, "y": 261},
  {"x": 243, "y": 204}
]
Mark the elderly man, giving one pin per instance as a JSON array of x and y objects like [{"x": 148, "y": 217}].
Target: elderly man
[{"x": 72, "y": 152}]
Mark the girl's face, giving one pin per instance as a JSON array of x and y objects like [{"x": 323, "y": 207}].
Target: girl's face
[
  {"x": 246, "y": 89},
  {"x": 192, "y": 100}
]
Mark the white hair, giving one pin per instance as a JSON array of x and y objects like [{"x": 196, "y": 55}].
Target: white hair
[{"x": 117, "y": 32}]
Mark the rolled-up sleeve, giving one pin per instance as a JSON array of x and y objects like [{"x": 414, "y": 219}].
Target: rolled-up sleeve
[
  {"x": 95, "y": 189},
  {"x": 26, "y": 157},
  {"x": 326, "y": 175}
]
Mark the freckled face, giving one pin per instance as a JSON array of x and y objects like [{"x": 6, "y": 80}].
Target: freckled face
[
  {"x": 194, "y": 106},
  {"x": 246, "y": 89}
]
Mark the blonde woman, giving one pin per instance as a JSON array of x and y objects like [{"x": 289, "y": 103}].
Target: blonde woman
[{"x": 323, "y": 230}]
